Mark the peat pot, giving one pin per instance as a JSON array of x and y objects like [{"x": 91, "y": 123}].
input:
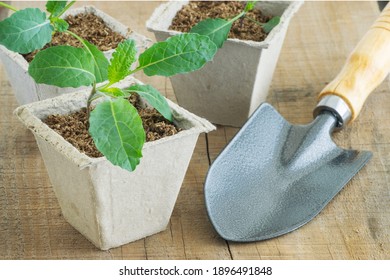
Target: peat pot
[
  {"x": 109, "y": 205},
  {"x": 227, "y": 90},
  {"x": 26, "y": 90}
]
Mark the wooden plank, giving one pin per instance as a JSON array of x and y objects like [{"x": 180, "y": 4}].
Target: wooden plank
[
  {"x": 3, "y": 11},
  {"x": 311, "y": 57},
  {"x": 355, "y": 225}
]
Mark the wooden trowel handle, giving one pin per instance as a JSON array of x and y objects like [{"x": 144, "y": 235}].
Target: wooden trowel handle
[{"x": 366, "y": 67}]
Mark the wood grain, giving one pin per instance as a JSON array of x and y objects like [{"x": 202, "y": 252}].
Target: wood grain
[
  {"x": 4, "y": 11},
  {"x": 366, "y": 67},
  {"x": 355, "y": 225}
]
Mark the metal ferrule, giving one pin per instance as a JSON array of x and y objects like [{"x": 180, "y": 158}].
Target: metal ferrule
[{"x": 337, "y": 106}]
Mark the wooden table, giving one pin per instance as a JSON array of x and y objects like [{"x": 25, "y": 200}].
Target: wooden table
[{"x": 355, "y": 224}]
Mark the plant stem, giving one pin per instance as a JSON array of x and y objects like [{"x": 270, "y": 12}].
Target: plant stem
[
  {"x": 93, "y": 91},
  {"x": 66, "y": 8},
  {"x": 77, "y": 37},
  {"x": 97, "y": 95},
  {"x": 90, "y": 99},
  {"x": 136, "y": 70},
  {"x": 105, "y": 86},
  {"x": 255, "y": 21},
  {"x": 238, "y": 16},
  {"x": 8, "y": 6},
  {"x": 81, "y": 41}
]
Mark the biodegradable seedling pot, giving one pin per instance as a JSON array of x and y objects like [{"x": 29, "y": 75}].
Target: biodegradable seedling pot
[
  {"x": 26, "y": 90},
  {"x": 227, "y": 90},
  {"x": 109, "y": 205}
]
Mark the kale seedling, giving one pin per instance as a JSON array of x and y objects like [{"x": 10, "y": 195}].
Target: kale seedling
[
  {"x": 114, "y": 124},
  {"x": 31, "y": 29},
  {"x": 218, "y": 29}
]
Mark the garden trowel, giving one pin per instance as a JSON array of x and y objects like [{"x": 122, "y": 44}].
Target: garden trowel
[{"x": 274, "y": 177}]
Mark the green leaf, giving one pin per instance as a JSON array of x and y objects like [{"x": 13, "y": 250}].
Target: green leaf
[
  {"x": 154, "y": 98},
  {"x": 121, "y": 61},
  {"x": 250, "y": 5},
  {"x": 117, "y": 131},
  {"x": 60, "y": 25},
  {"x": 271, "y": 24},
  {"x": 178, "y": 54},
  {"x": 216, "y": 29},
  {"x": 100, "y": 62},
  {"x": 63, "y": 66},
  {"x": 55, "y": 7},
  {"x": 114, "y": 92},
  {"x": 25, "y": 31}
]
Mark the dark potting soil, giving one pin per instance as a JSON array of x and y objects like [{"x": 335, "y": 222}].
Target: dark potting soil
[
  {"x": 245, "y": 29},
  {"x": 89, "y": 27},
  {"x": 74, "y": 127}
]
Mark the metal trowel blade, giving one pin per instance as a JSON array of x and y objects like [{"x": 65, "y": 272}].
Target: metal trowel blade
[{"x": 274, "y": 177}]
